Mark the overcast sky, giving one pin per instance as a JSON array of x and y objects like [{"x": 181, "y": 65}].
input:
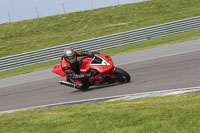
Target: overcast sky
[{"x": 26, "y": 9}]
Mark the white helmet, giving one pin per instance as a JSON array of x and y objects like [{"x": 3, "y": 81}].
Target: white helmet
[{"x": 70, "y": 55}]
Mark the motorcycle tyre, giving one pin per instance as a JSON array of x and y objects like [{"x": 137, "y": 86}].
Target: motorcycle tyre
[
  {"x": 122, "y": 76},
  {"x": 83, "y": 88}
]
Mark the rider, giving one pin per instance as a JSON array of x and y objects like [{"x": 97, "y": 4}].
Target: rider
[{"x": 70, "y": 66}]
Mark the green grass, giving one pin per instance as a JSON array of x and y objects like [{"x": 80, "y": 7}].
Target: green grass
[
  {"x": 46, "y": 32},
  {"x": 169, "y": 114},
  {"x": 113, "y": 51}
]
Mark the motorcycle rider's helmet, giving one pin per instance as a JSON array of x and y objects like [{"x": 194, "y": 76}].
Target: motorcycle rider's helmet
[{"x": 70, "y": 55}]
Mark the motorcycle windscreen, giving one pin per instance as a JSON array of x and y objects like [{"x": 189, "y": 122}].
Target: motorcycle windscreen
[
  {"x": 102, "y": 63},
  {"x": 57, "y": 69}
]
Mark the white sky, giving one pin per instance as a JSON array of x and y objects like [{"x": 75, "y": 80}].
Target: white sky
[{"x": 25, "y": 9}]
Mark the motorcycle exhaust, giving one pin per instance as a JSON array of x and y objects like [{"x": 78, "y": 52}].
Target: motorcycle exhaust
[{"x": 67, "y": 83}]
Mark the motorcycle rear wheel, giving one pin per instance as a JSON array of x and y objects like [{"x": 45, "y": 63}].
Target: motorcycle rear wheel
[{"x": 122, "y": 76}]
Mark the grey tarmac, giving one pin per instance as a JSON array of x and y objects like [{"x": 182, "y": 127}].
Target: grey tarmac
[{"x": 162, "y": 68}]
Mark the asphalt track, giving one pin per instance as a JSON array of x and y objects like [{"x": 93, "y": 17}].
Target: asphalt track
[{"x": 158, "y": 72}]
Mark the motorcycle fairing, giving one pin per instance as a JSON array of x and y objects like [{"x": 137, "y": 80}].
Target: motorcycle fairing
[
  {"x": 102, "y": 63},
  {"x": 97, "y": 60},
  {"x": 57, "y": 69}
]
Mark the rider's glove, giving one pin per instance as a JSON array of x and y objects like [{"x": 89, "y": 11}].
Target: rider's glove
[
  {"x": 95, "y": 52},
  {"x": 91, "y": 54},
  {"x": 86, "y": 53}
]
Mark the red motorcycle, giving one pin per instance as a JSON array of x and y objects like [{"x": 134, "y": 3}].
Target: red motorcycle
[{"x": 104, "y": 72}]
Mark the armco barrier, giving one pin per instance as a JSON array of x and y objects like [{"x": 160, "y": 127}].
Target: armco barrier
[{"x": 100, "y": 43}]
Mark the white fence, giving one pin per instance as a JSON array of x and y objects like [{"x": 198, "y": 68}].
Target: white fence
[{"x": 100, "y": 43}]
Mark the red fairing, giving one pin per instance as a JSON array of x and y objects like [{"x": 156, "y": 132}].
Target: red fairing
[
  {"x": 85, "y": 65},
  {"x": 57, "y": 69},
  {"x": 101, "y": 63},
  {"x": 107, "y": 66},
  {"x": 104, "y": 67}
]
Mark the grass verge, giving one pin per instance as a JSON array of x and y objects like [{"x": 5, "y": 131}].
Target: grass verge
[
  {"x": 169, "y": 114},
  {"x": 113, "y": 51},
  {"x": 50, "y": 31}
]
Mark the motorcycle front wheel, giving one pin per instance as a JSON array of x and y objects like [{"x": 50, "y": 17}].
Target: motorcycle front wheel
[{"x": 122, "y": 76}]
